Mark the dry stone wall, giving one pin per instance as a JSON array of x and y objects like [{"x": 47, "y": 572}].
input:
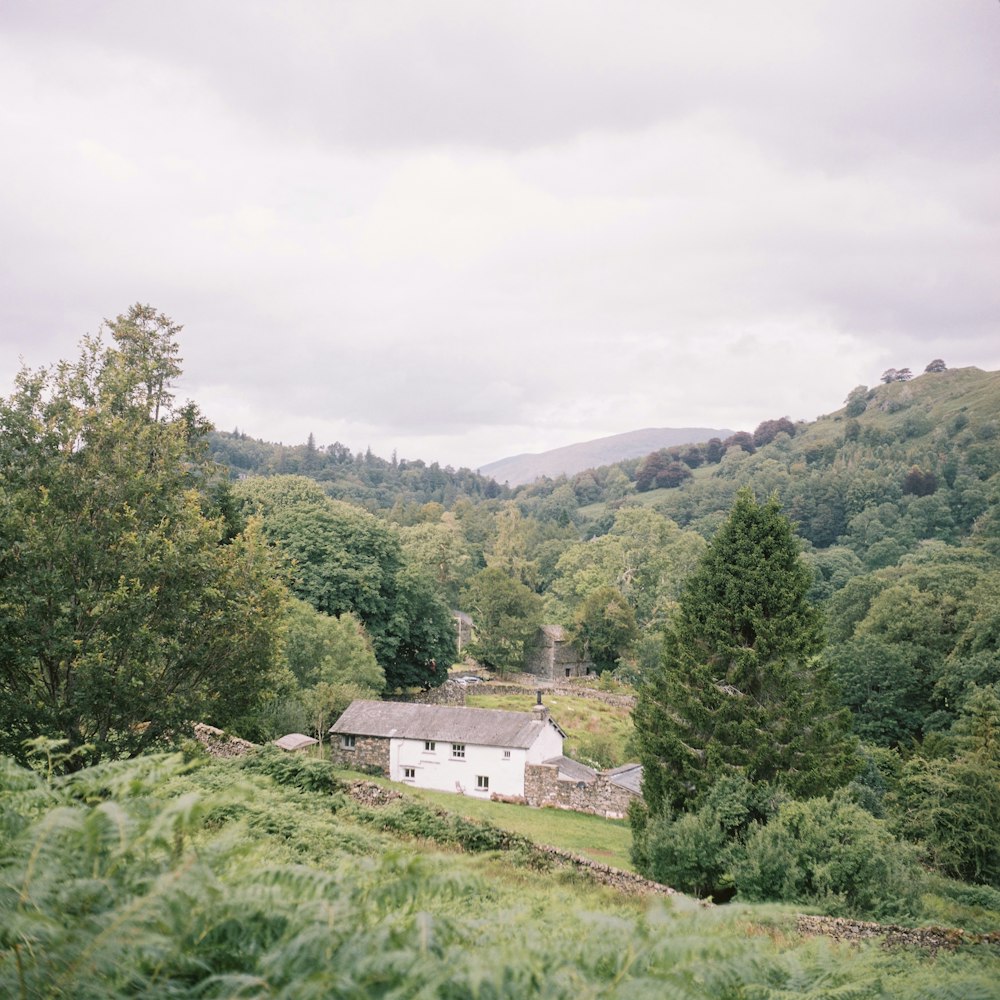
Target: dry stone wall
[{"x": 544, "y": 787}]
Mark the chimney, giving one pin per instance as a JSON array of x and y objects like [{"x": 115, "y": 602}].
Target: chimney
[{"x": 540, "y": 711}]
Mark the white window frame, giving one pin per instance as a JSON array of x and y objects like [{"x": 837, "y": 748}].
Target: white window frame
[
  {"x": 348, "y": 741},
  {"x": 409, "y": 774},
  {"x": 458, "y": 751},
  {"x": 482, "y": 782},
  {"x": 430, "y": 746},
  {"x": 506, "y": 755}
]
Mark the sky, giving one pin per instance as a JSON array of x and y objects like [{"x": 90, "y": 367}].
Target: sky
[{"x": 466, "y": 230}]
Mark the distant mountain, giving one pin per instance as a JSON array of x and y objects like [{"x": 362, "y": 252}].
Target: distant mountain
[{"x": 575, "y": 458}]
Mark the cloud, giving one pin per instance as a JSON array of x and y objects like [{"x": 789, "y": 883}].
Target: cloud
[{"x": 463, "y": 230}]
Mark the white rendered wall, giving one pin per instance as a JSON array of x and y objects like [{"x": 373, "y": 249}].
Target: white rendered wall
[
  {"x": 439, "y": 769},
  {"x": 548, "y": 745}
]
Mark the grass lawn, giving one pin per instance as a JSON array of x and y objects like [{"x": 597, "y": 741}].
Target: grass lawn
[
  {"x": 604, "y": 840},
  {"x": 597, "y": 734}
]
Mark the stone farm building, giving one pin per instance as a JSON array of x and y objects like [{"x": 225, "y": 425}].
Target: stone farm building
[
  {"x": 482, "y": 752},
  {"x": 551, "y": 654}
]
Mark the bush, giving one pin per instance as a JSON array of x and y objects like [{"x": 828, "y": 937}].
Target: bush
[
  {"x": 832, "y": 854},
  {"x": 693, "y": 852},
  {"x": 294, "y": 769}
]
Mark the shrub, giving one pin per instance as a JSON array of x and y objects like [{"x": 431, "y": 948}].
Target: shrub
[
  {"x": 294, "y": 769},
  {"x": 692, "y": 852},
  {"x": 832, "y": 854}
]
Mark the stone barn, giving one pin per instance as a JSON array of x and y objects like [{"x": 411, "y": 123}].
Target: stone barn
[{"x": 553, "y": 656}]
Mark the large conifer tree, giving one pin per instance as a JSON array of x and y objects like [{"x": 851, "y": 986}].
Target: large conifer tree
[{"x": 739, "y": 688}]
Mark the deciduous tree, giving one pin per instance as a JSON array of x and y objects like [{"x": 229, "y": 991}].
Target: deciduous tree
[
  {"x": 505, "y": 613},
  {"x": 128, "y": 606}
]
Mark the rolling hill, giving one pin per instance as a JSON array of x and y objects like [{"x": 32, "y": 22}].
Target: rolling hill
[{"x": 573, "y": 458}]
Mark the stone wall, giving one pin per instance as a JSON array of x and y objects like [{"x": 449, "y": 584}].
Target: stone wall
[
  {"x": 576, "y": 690},
  {"x": 544, "y": 787},
  {"x": 449, "y": 693},
  {"x": 369, "y": 754},
  {"x": 218, "y": 744}
]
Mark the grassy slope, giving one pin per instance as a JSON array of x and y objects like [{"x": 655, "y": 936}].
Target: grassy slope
[
  {"x": 235, "y": 879},
  {"x": 604, "y": 840},
  {"x": 537, "y": 907},
  {"x": 596, "y": 733}
]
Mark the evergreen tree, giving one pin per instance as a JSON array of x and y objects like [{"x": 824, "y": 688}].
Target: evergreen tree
[{"x": 739, "y": 689}]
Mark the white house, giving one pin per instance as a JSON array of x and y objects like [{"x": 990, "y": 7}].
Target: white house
[{"x": 475, "y": 751}]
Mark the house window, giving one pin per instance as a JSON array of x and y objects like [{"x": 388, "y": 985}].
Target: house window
[
  {"x": 568, "y": 671},
  {"x": 347, "y": 742},
  {"x": 430, "y": 745},
  {"x": 483, "y": 782},
  {"x": 409, "y": 773},
  {"x": 506, "y": 755},
  {"x": 458, "y": 750}
]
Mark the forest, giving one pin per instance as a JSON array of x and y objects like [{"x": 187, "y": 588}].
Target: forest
[{"x": 808, "y": 616}]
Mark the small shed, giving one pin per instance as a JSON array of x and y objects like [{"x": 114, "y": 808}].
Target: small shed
[{"x": 295, "y": 741}]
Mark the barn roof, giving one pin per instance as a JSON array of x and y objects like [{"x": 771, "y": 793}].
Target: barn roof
[{"x": 447, "y": 723}]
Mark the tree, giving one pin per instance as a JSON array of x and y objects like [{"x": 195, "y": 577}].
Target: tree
[
  {"x": 343, "y": 559},
  {"x": 951, "y": 804},
  {"x": 889, "y": 375},
  {"x": 768, "y": 430},
  {"x": 742, "y": 440},
  {"x": 857, "y": 401},
  {"x": 739, "y": 689},
  {"x": 673, "y": 475},
  {"x": 128, "y": 605},
  {"x": 604, "y": 627},
  {"x": 505, "y": 614},
  {"x": 937, "y": 365}
]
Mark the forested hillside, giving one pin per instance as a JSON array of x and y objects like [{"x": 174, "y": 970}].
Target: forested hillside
[{"x": 808, "y": 616}]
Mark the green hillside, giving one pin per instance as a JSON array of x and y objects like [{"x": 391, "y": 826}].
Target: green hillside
[{"x": 261, "y": 878}]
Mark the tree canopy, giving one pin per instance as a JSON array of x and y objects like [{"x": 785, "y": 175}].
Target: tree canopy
[
  {"x": 342, "y": 559},
  {"x": 128, "y": 605}
]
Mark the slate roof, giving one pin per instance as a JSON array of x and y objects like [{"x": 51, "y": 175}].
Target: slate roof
[
  {"x": 627, "y": 776},
  {"x": 447, "y": 723},
  {"x": 573, "y": 770}
]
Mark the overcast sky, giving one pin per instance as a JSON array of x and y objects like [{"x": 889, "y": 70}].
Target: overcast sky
[{"x": 467, "y": 230}]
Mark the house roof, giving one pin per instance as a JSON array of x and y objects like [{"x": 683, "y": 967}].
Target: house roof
[
  {"x": 448, "y": 723},
  {"x": 573, "y": 770},
  {"x": 627, "y": 776}
]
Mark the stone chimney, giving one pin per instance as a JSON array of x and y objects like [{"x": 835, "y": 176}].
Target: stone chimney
[{"x": 540, "y": 711}]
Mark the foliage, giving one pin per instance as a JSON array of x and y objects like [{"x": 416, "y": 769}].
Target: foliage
[
  {"x": 739, "y": 689},
  {"x": 139, "y": 880},
  {"x": 127, "y": 604},
  {"x": 604, "y": 627},
  {"x": 343, "y": 559},
  {"x": 829, "y": 853},
  {"x": 506, "y": 613},
  {"x": 693, "y": 851},
  {"x": 951, "y": 803},
  {"x": 359, "y": 478}
]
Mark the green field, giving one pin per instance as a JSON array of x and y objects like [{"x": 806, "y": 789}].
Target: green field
[{"x": 596, "y": 733}]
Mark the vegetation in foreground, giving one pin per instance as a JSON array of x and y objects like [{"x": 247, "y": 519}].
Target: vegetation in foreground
[{"x": 256, "y": 878}]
